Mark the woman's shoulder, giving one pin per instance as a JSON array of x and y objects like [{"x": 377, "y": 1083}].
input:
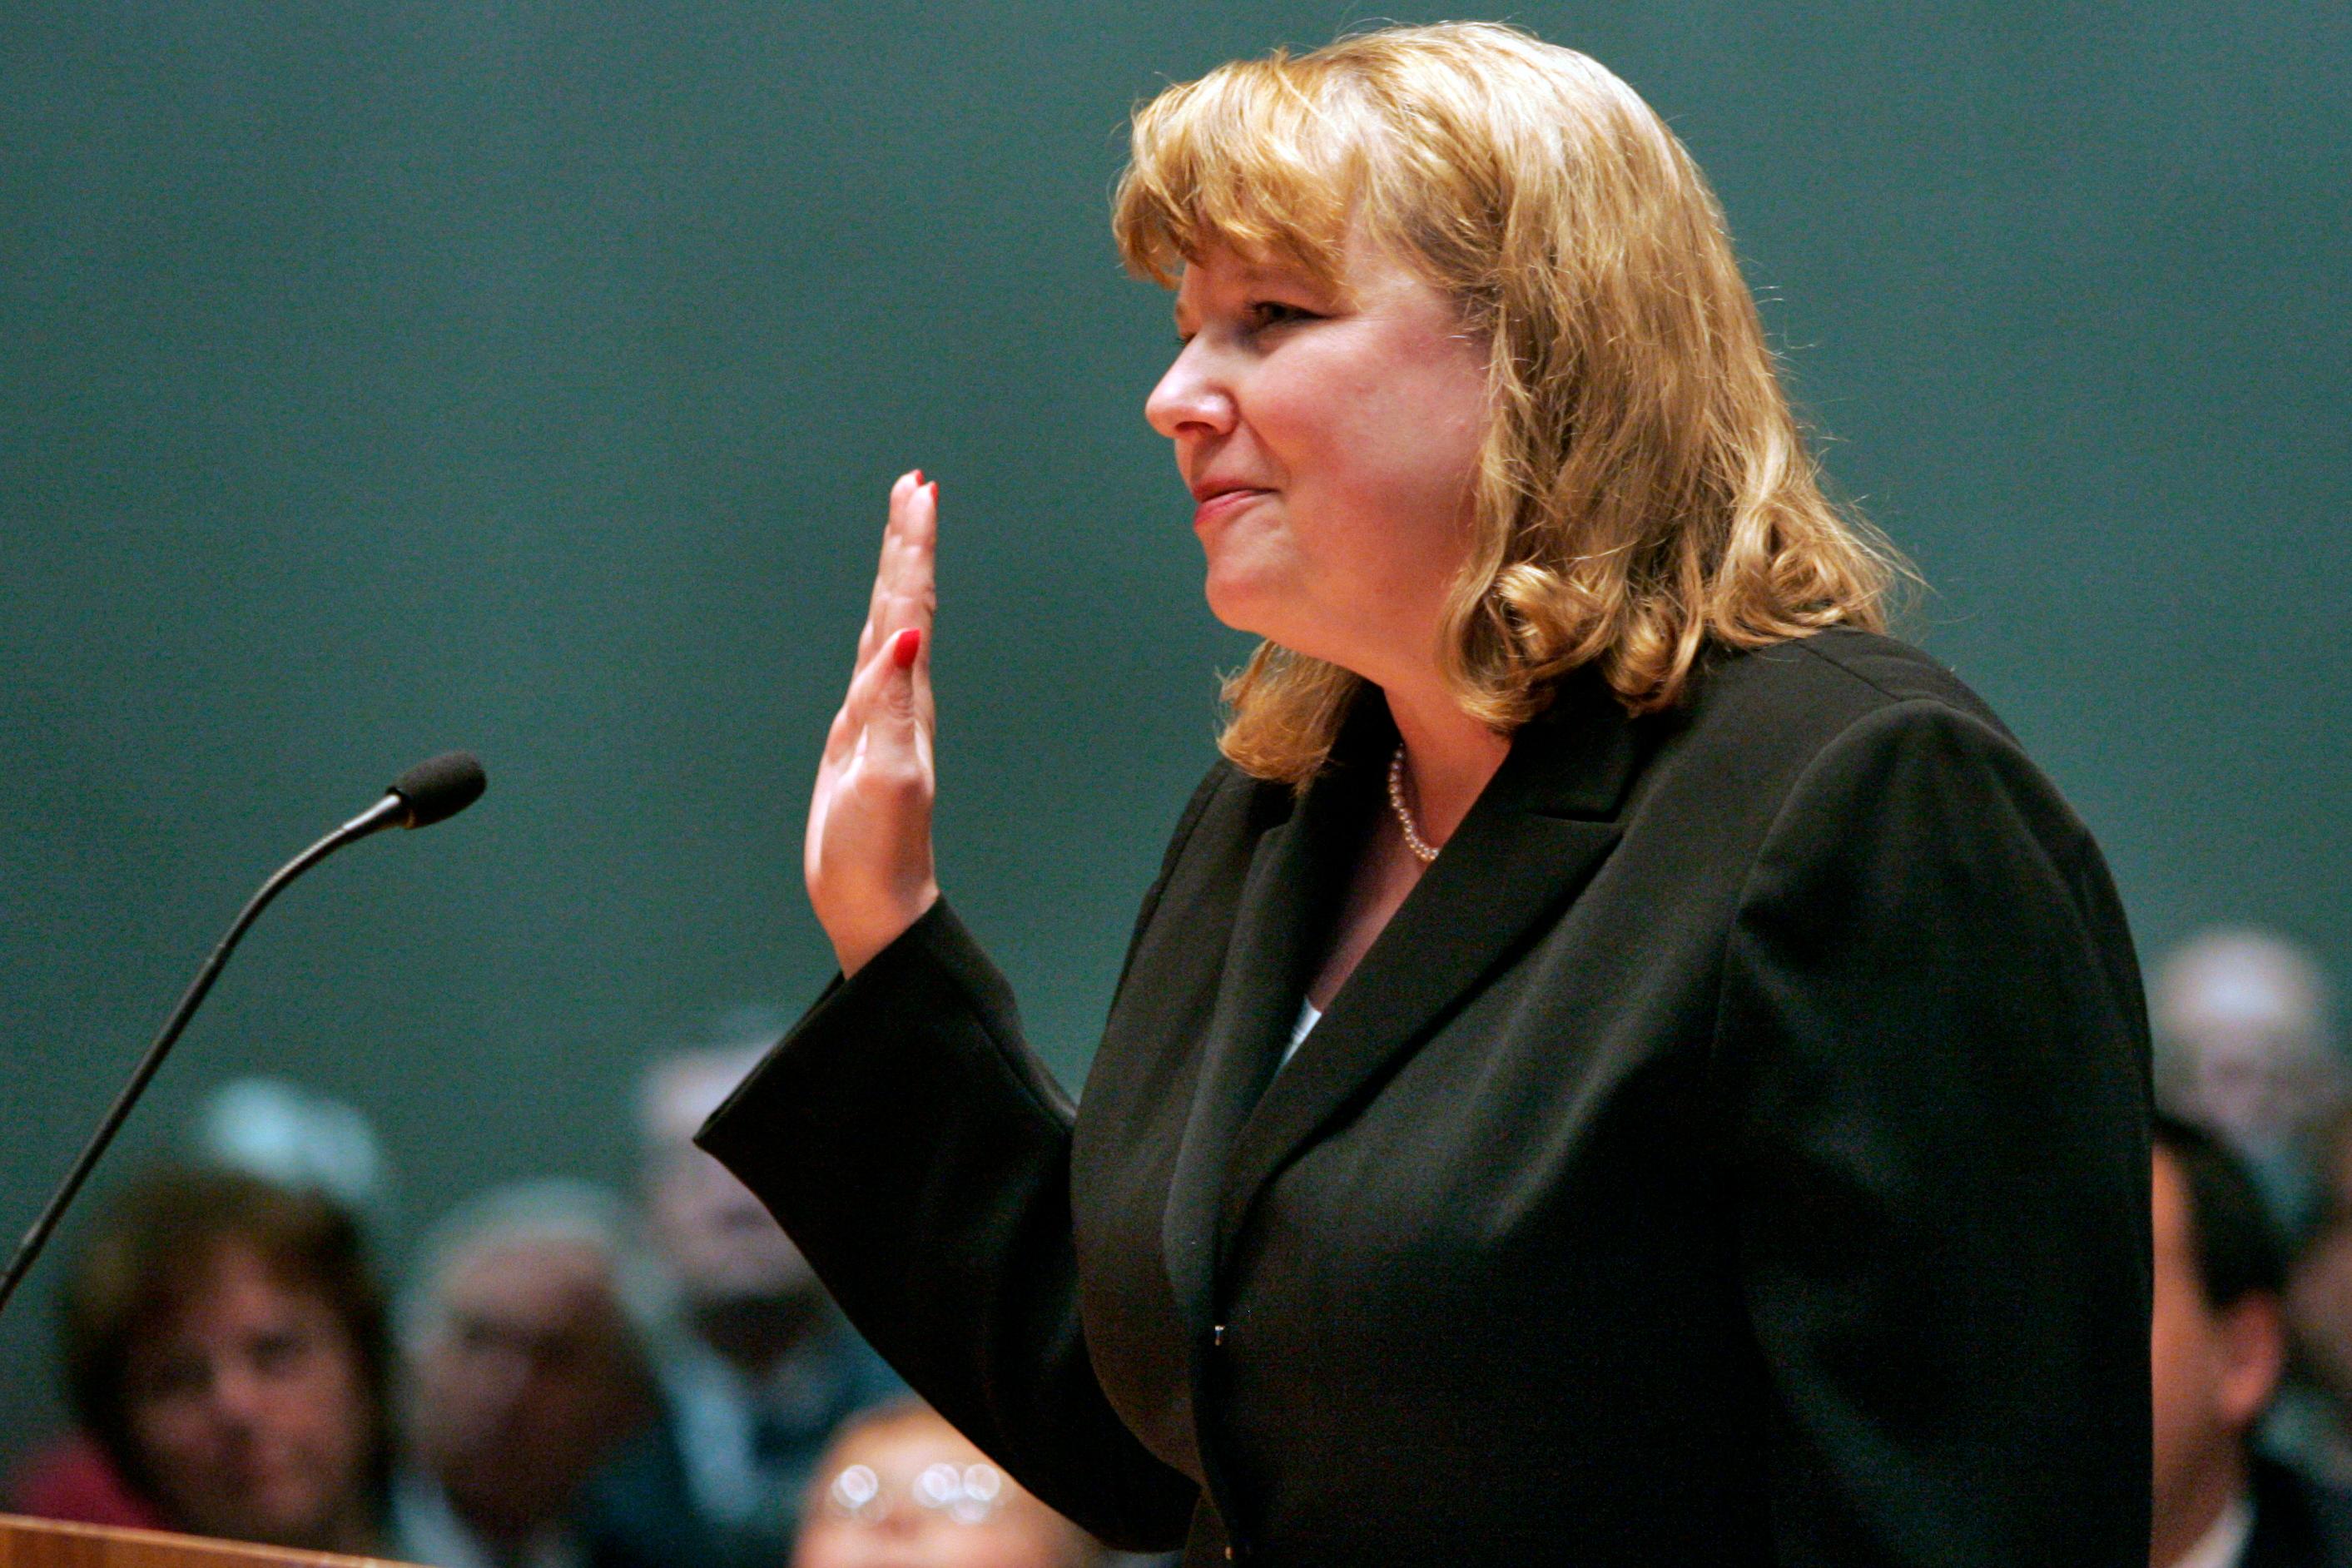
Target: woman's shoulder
[
  {"x": 1819, "y": 685},
  {"x": 1853, "y": 727},
  {"x": 1774, "y": 711},
  {"x": 1764, "y": 726}
]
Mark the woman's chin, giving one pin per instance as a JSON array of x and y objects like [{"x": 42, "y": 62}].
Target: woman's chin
[
  {"x": 1232, "y": 603},
  {"x": 1275, "y": 619},
  {"x": 1262, "y": 603}
]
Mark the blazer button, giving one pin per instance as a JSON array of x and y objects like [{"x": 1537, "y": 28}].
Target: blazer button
[{"x": 1217, "y": 1337}]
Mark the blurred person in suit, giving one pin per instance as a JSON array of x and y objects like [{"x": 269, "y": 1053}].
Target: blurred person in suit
[
  {"x": 226, "y": 1349},
  {"x": 526, "y": 1342},
  {"x": 900, "y": 1488},
  {"x": 2311, "y": 1424},
  {"x": 2245, "y": 1046},
  {"x": 2217, "y": 1344},
  {"x": 765, "y": 1369},
  {"x": 295, "y": 1137}
]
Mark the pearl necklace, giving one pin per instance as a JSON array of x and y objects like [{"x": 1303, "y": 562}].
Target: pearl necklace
[{"x": 1423, "y": 849}]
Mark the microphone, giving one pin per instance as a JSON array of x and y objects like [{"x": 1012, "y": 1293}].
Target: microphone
[{"x": 433, "y": 791}]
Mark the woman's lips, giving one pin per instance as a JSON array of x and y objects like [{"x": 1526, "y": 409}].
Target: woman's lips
[{"x": 1223, "y": 505}]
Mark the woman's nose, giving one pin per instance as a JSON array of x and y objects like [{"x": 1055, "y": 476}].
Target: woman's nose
[
  {"x": 1191, "y": 395},
  {"x": 238, "y": 1393}
]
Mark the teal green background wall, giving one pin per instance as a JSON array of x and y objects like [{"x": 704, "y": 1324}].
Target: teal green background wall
[{"x": 379, "y": 379}]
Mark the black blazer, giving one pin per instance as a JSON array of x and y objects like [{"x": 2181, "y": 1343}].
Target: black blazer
[
  {"x": 2298, "y": 1522},
  {"x": 1733, "y": 1151}
]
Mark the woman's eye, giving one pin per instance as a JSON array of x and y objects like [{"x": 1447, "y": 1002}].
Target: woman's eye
[{"x": 1265, "y": 313}]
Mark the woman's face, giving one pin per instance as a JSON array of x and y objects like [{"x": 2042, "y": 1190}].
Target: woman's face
[
  {"x": 1330, "y": 438},
  {"x": 253, "y": 1415}
]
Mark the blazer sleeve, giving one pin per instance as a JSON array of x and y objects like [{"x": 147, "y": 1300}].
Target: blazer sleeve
[
  {"x": 1932, "y": 1061},
  {"x": 918, "y": 1153}
]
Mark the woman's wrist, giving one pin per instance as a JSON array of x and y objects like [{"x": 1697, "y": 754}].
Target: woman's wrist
[{"x": 856, "y": 949}]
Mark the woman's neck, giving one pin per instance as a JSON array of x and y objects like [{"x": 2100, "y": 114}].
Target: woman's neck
[{"x": 1449, "y": 757}]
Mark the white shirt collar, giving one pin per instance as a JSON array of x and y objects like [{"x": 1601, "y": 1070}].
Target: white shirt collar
[
  {"x": 716, "y": 1407},
  {"x": 2221, "y": 1546},
  {"x": 428, "y": 1529},
  {"x": 1308, "y": 1017}
]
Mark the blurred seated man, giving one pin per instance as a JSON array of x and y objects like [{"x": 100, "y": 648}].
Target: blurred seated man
[
  {"x": 2312, "y": 1423},
  {"x": 2217, "y": 1343},
  {"x": 295, "y": 1138},
  {"x": 525, "y": 1342},
  {"x": 901, "y": 1489},
  {"x": 2244, "y": 1048},
  {"x": 767, "y": 1369},
  {"x": 225, "y": 1346}
]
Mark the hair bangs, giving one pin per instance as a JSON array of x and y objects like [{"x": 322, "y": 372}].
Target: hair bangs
[{"x": 1259, "y": 156}]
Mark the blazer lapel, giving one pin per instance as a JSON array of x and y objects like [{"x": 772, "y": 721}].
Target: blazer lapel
[
  {"x": 1284, "y": 908},
  {"x": 1537, "y": 834}
]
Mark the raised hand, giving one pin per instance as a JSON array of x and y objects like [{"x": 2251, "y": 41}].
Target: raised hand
[{"x": 868, "y": 854}]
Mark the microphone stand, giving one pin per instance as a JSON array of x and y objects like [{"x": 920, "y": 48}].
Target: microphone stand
[{"x": 386, "y": 812}]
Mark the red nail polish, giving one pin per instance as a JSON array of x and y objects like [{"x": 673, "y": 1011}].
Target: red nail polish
[
  {"x": 919, "y": 478},
  {"x": 910, "y": 643}
]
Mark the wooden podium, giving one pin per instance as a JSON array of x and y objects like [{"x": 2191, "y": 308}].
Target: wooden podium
[{"x": 40, "y": 1543}]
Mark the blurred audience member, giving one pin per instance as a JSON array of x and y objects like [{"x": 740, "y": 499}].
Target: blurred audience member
[
  {"x": 901, "y": 1489},
  {"x": 768, "y": 1369},
  {"x": 266, "y": 1128},
  {"x": 2313, "y": 1424},
  {"x": 294, "y": 1138},
  {"x": 2243, "y": 1048},
  {"x": 2217, "y": 1343},
  {"x": 527, "y": 1340},
  {"x": 224, "y": 1347}
]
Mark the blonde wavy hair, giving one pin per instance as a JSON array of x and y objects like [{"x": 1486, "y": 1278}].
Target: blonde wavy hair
[{"x": 1643, "y": 488}]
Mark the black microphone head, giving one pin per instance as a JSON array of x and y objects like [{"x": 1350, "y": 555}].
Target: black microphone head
[{"x": 439, "y": 786}]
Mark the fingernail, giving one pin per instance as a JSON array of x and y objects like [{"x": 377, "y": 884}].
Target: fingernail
[
  {"x": 919, "y": 478},
  {"x": 907, "y": 644}
]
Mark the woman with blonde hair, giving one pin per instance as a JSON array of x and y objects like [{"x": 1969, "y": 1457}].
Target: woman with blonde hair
[{"x": 1624, "y": 1062}]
